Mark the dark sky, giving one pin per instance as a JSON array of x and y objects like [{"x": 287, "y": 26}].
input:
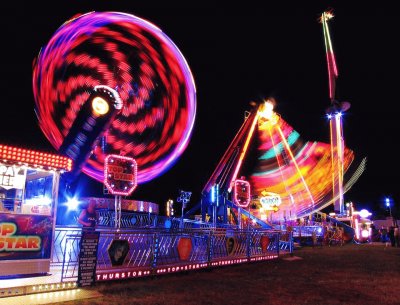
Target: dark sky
[{"x": 239, "y": 54}]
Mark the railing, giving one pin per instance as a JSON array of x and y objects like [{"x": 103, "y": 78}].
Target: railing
[
  {"x": 156, "y": 251},
  {"x": 140, "y": 220},
  {"x": 307, "y": 231}
]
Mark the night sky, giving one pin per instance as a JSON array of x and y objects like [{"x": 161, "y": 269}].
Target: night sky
[{"x": 239, "y": 54}]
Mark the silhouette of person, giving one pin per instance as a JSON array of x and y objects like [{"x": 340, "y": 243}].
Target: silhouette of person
[
  {"x": 391, "y": 236},
  {"x": 396, "y": 235}
]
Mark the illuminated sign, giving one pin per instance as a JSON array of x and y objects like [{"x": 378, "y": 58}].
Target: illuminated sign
[
  {"x": 270, "y": 201},
  {"x": 117, "y": 275},
  {"x": 25, "y": 237},
  {"x": 12, "y": 177},
  {"x": 11, "y": 242},
  {"x": 242, "y": 193},
  {"x": 120, "y": 174}
]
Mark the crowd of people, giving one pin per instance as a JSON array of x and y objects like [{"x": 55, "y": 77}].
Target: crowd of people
[
  {"x": 390, "y": 235},
  {"x": 333, "y": 235}
]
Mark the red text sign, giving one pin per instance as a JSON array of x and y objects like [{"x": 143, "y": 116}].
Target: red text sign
[{"x": 120, "y": 174}]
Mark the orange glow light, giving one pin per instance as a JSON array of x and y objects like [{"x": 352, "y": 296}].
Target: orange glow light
[{"x": 35, "y": 158}]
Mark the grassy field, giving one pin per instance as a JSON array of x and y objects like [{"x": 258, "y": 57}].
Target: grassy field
[{"x": 351, "y": 274}]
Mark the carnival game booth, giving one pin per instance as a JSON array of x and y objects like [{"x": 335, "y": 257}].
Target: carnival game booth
[{"x": 29, "y": 183}]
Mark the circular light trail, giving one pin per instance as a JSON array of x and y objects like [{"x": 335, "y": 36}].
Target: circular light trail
[{"x": 137, "y": 60}]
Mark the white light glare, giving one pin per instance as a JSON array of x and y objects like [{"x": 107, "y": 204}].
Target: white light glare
[
  {"x": 268, "y": 110},
  {"x": 72, "y": 204},
  {"x": 364, "y": 213}
]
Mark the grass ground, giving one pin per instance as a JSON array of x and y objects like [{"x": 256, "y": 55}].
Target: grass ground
[{"x": 350, "y": 274}]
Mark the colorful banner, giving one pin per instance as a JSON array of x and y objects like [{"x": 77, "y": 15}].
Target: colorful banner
[{"x": 25, "y": 236}]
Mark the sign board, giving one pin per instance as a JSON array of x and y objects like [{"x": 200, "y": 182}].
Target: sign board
[
  {"x": 88, "y": 258},
  {"x": 270, "y": 201},
  {"x": 242, "y": 193},
  {"x": 25, "y": 237},
  {"x": 12, "y": 177},
  {"x": 120, "y": 174},
  {"x": 184, "y": 197},
  {"x": 118, "y": 251}
]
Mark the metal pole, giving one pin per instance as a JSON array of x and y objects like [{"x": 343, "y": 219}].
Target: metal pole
[
  {"x": 215, "y": 215},
  {"x": 181, "y": 225},
  {"x": 117, "y": 216},
  {"x": 116, "y": 212},
  {"x": 240, "y": 218}
]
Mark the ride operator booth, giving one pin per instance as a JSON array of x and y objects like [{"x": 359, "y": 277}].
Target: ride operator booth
[{"x": 29, "y": 183}]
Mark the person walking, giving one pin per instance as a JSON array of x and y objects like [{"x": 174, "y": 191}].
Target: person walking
[
  {"x": 391, "y": 235},
  {"x": 383, "y": 235},
  {"x": 396, "y": 235}
]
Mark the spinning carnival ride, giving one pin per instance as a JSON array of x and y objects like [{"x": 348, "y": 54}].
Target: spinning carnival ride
[
  {"x": 112, "y": 83},
  {"x": 277, "y": 164},
  {"x": 106, "y": 84},
  {"x": 288, "y": 178}
]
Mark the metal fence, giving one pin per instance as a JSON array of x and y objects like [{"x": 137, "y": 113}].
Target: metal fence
[
  {"x": 155, "y": 251},
  {"x": 140, "y": 220}
]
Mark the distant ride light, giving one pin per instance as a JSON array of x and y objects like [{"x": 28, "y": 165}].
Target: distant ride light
[
  {"x": 365, "y": 234},
  {"x": 364, "y": 213},
  {"x": 387, "y": 199},
  {"x": 214, "y": 194}
]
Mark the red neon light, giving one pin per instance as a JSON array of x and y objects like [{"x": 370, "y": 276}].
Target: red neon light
[
  {"x": 35, "y": 158},
  {"x": 120, "y": 174},
  {"x": 242, "y": 193}
]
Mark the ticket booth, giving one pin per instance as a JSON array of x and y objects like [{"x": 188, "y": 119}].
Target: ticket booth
[{"x": 29, "y": 183}]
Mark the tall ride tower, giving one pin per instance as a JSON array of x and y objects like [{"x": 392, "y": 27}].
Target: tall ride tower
[{"x": 334, "y": 113}]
